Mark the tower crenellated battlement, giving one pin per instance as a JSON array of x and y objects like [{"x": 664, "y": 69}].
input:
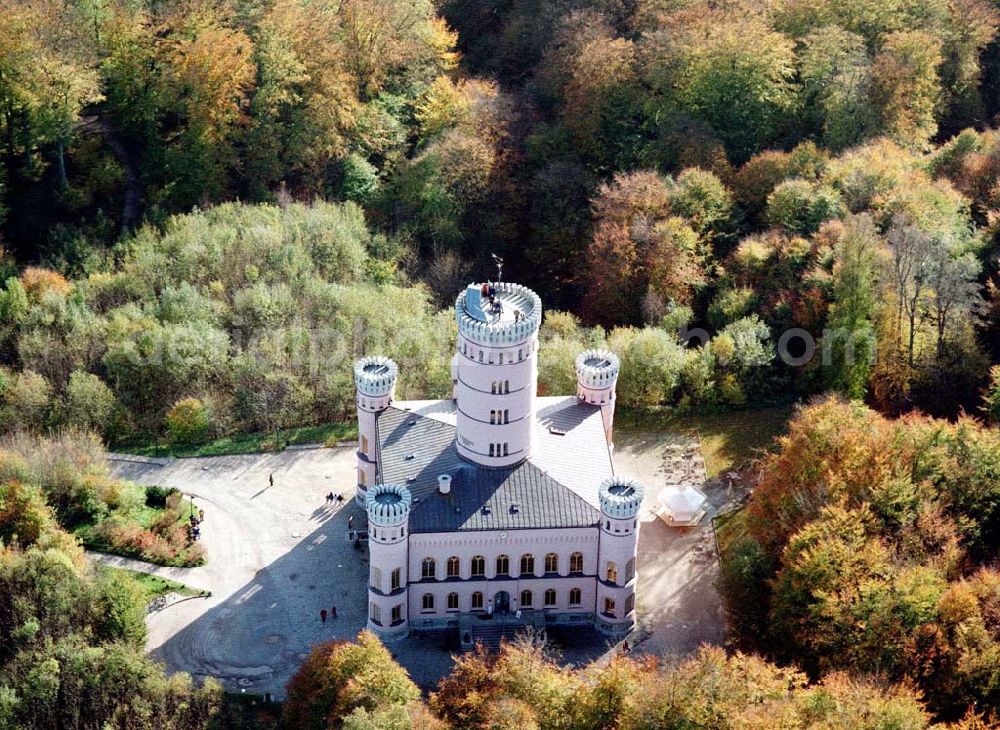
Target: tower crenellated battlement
[
  {"x": 375, "y": 375},
  {"x": 620, "y": 498},
  {"x": 518, "y": 319},
  {"x": 597, "y": 370},
  {"x": 388, "y": 505}
]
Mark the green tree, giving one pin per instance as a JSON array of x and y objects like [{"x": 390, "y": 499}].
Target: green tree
[
  {"x": 27, "y": 401},
  {"x": 652, "y": 362},
  {"x": 87, "y": 402},
  {"x": 732, "y": 71},
  {"x": 836, "y": 80},
  {"x": 906, "y": 87},
  {"x": 802, "y": 207},
  {"x": 847, "y": 344}
]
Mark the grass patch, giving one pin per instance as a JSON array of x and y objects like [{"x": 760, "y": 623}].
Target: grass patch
[
  {"x": 729, "y": 439},
  {"x": 329, "y": 434},
  {"x": 154, "y": 586},
  {"x": 729, "y": 529}
]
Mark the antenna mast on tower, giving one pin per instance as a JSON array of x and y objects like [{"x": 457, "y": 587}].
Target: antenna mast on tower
[{"x": 499, "y": 262}]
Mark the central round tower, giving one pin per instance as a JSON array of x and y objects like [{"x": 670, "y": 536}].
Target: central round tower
[{"x": 497, "y": 372}]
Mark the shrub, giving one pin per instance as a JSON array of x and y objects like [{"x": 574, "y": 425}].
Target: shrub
[
  {"x": 38, "y": 281},
  {"x": 188, "y": 421},
  {"x": 157, "y": 496},
  {"x": 164, "y": 522}
]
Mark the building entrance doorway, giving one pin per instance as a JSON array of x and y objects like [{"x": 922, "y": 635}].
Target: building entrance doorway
[{"x": 501, "y": 602}]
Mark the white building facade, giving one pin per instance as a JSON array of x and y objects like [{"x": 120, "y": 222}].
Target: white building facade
[{"x": 496, "y": 503}]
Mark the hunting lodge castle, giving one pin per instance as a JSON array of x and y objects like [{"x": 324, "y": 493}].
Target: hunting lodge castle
[{"x": 496, "y": 502}]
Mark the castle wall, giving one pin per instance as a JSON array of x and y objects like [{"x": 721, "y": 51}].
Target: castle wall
[{"x": 490, "y": 545}]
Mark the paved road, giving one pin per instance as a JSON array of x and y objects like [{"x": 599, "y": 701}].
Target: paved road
[{"x": 278, "y": 555}]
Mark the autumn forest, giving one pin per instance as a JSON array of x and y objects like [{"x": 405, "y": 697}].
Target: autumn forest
[{"x": 210, "y": 208}]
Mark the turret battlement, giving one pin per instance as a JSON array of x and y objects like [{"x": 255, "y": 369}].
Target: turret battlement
[
  {"x": 620, "y": 498},
  {"x": 597, "y": 369},
  {"x": 388, "y": 504},
  {"x": 375, "y": 375},
  {"x": 513, "y": 316}
]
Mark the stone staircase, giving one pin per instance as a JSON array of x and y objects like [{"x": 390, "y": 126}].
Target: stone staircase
[{"x": 491, "y": 632}]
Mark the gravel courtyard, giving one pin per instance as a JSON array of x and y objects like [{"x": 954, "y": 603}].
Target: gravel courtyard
[{"x": 279, "y": 555}]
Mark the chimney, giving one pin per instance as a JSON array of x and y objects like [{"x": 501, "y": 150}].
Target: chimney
[{"x": 444, "y": 483}]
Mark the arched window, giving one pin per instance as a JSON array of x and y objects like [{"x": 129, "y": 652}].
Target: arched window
[
  {"x": 428, "y": 602},
  {"x": 576, "y": 563},
  {"x": 526, "y": 599},
  {"x": 376, "y": 579},
  {"x": 612, "y": 572},
  {"x": 477, "y": 601},
  {"x": 550, "y": 597},
  {"x": 505, "y": 448},
  {"x": 361, "y": 478},
  {"x": 364, "y": 444},
  {"x": 527, "y": 565},
  {"x": 574, "y": 597},
  {"x": 452, "y": 601},
  {"x": 503, "y": 565},
  {"x": 629, "y": 570},
  {"x": 478, "y": 566},
  {"x": 494, "y": 386},
  {"x": 551, "y": 563},
  {"x": 506, "y": 386},
  {"x": 453, "y": 567},
  {"x": 394, "y": 581},
  {"x": 428, "y": 569},
  {"x": 609, "y": 606},
  {"x": 492, "y": 449}
]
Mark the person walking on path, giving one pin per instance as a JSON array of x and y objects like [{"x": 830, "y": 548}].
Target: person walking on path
[
  {"x": 322, "y": 615},
  {"x": 333, "y": 612},
  {"x": 270, "y": 480}
]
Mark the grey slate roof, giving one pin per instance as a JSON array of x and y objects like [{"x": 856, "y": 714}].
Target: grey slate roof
[{"x": 414, "y": 449}]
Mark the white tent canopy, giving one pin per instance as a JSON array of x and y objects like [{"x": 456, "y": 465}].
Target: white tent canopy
[{"x": 681, "y": 505}]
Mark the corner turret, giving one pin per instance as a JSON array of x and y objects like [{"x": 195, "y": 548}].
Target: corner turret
[
  {"x": 620, "y": 501},
  {"x": 388, "y": 507},
  {"x": 596, "y": 380},
  {"x": 375, "y": 388}
]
